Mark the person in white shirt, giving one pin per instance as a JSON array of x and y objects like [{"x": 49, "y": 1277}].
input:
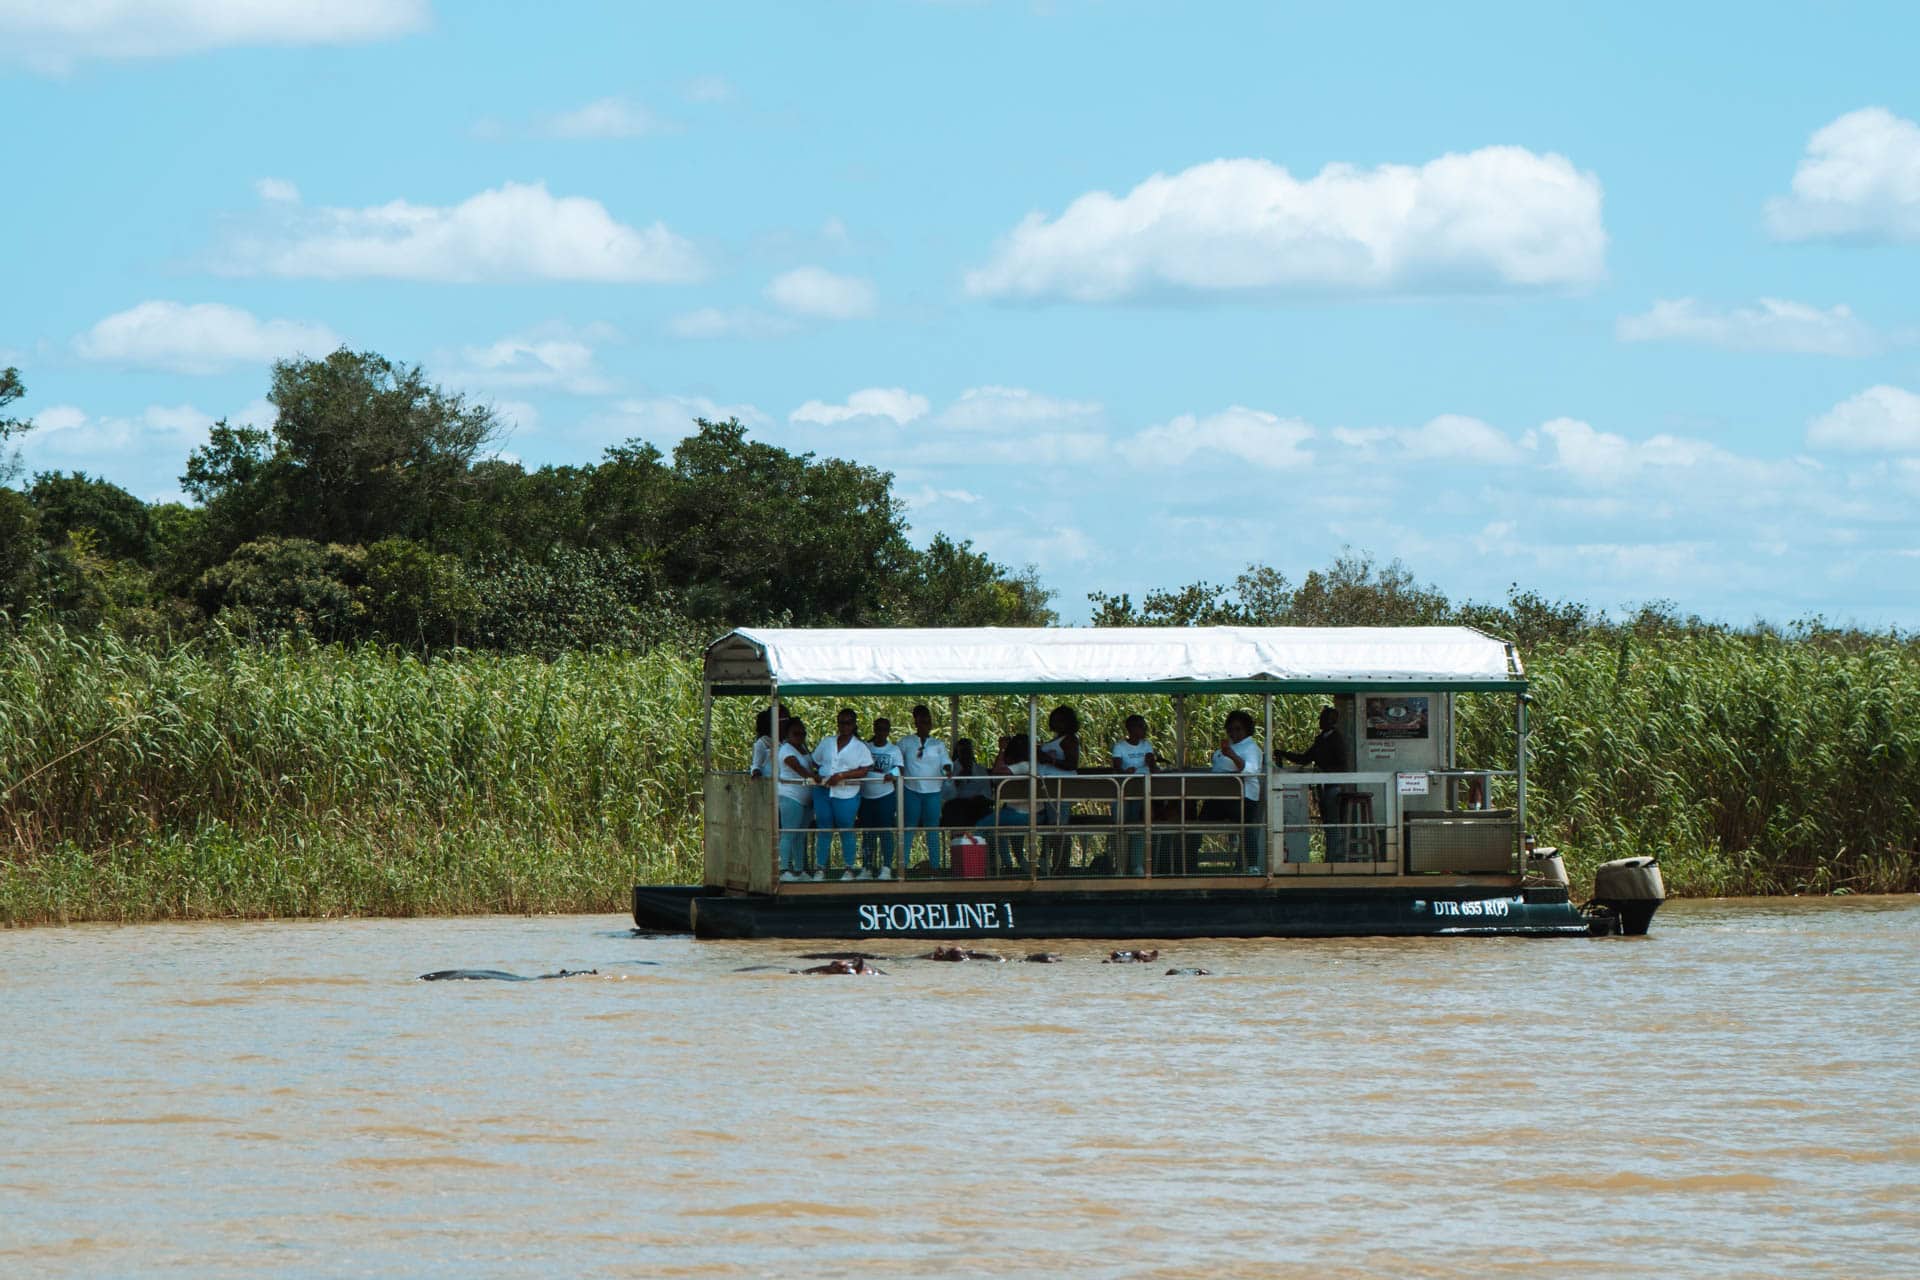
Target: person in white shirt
[
  {"x": 927, "y": 768},
  {"x": 796, "y": 772},
  {"x": 879, "y": 803},
  {"x": 1010, "y": 851},
  {"x": 761, "y": 766},
  {"x": 1134, "y": 755},
  {"x": 840, "y": 762},
  {"x": 1240, "y": 752}
]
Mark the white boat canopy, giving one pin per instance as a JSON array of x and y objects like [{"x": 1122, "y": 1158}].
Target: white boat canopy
[{"x": 1110, "y": 659}]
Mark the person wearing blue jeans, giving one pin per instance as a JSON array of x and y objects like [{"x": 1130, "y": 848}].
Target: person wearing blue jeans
[
  {"x": 840, "y": 762},
  {"x": 927, "y": 767},
  {"x": 796, "y": 806},
  {"x": 1241, "y": 753},
  {"x": 879, "y": 803}
]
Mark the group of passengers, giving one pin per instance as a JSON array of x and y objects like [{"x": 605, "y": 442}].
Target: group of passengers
[{"x": 845, "y": 787}]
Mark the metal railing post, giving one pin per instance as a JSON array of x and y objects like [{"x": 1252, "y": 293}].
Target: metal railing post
[{"x": 1033, "y": 787}]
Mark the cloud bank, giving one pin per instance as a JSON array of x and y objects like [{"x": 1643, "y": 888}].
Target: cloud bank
[
  {"x": 1774, "y": 324},
  {"x": 200, "y": 338},
  {"x": 1496, "y": 218},
  {"x": 517, "y": 231},
  {"x": 53, "y": 35}
]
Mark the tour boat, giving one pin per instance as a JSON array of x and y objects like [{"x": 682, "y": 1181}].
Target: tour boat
[{"x": 1398, "y": 838}]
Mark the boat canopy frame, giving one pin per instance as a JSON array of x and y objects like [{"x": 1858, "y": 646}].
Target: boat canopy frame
[{"x": 775, "y": 663}]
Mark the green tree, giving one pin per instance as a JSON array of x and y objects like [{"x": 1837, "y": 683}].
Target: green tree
[
  {"x": 273, "y": 586},
  {"x": 362, "y": 449},
  {"x": 416, "y": 597},
  {"x": 19, "y": 552},
  {"x": 753, "y": 533},
  {"x": 11, "y": 389},
  {"x": 952, "y": 585},
  {"x": 121, "y": 523}
]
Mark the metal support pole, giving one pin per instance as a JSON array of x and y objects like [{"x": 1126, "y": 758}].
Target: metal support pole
[
  {"x": 1146, "y": 813},
  {"x": 1033, "y": 786},
  {"x": 1268, "y": 797},
  {"x": 706, "y": 728},
  {"x": 1520, "y": 764},
  {"x": 1179, "y": 731},
  {"x": 776, "y": 738}
]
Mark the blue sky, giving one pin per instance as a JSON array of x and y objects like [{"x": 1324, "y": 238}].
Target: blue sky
[{"x": 1619, "y": 306}]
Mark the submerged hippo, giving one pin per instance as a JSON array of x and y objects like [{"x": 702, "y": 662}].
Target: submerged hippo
[
  {"x": 500, "y": 975},
  {"x": 844, "y": 966},
  {"x": 1198, "y": 973},
  {"x": 1043, "y": 957},
  {"x": 961, "y": 953},
  {"x": 1132, "y": 957}
]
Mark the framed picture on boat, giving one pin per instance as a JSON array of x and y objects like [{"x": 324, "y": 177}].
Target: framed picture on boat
[{"x": 1396, "y": 718}]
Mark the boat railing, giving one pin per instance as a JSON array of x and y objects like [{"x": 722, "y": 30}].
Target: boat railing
[{"x": 1166, "y": 825}]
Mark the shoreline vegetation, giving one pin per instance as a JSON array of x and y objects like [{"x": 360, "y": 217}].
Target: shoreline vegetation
[
  {"x": 376, "y": 667},
  {"x": 224, "y": 777}
]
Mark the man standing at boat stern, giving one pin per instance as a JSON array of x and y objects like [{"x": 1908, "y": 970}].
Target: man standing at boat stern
[
  {"x": 879, "y": 803},
  {"x": 924, "y": 758},
  {"x": 1327, "y": 754}
]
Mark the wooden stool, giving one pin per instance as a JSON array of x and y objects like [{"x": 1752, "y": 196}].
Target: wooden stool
[{"x": 1354, "y": 815}]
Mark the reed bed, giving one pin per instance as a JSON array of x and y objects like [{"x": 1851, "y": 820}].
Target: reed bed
[
  {"x": 231, "y": 779},
  {"x": 227, "y": 779}
]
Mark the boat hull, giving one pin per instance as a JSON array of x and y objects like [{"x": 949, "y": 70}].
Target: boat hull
[{"x": 1253, "y": 912}]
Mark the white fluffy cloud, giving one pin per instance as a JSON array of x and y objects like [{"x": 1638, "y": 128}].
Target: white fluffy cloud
[
  {"x": 202, "y": 337},
  {"x": 1773, "y": 325},
  {"x": 52, "y": 35},
  {"x": 1884, "y": 419},
  {"x": 605, "y": 118},
  {"x": 560, "y": 360},
  {"x": 135, "y": 450},
  {"x": 1859, "y": 180},
  {"x": 1234, "y": 436},
  {"x": 1500, "y": 217},
  {"x": 897, "y": 403},
  {"x": 518, "y": 231},
  {"x": 1451, "y": 437},
  {"x": 817, "y": 292},
  {"x": 730, "y": 322},
  {"x": 278, "y": 190},
  {"x": 1013, "y": 409}
]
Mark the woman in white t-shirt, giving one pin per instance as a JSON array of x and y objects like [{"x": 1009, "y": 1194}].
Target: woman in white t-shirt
[
  {"x": 796, "y": 776},
  {"x": 1134, "y": 755},
  {"x": 840, "y": 762},
  {"x": 1240, "y": 752},
  {"x": 924, "y": 758}
]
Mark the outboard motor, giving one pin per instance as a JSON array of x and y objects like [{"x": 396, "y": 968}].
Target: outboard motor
[
  {"x": 1630, "y": 890},
  {"x": 1545, "y": 866}
]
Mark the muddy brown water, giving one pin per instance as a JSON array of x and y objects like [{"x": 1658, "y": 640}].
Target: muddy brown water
[{"x": 1737, "y": 1095}]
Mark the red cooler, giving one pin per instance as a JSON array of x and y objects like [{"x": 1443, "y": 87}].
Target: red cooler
[{"x": 969, "y": 857}]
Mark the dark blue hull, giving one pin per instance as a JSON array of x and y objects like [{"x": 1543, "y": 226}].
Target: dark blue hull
[{"x": 1157, "y": 913}]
